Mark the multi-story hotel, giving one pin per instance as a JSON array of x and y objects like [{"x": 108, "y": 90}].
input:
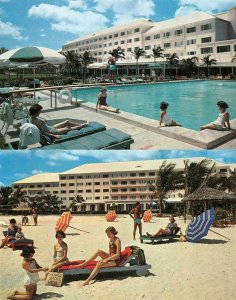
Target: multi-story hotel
[
  {"x": 102, "y": 184},
  {"x": 197, "y": 34}
]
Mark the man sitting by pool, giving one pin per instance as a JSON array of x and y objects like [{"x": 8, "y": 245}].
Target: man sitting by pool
[{"x": 102, "y": 102}]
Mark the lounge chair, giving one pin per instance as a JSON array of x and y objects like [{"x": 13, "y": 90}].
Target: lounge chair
[
  {"x": 126, "y": 264},
  {"x": 18, "y": 244},
  {"x": 109, "y": 139},
  {"x": 161, "y": 238}
]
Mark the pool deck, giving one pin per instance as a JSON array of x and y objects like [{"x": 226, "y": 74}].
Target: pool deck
[{"x": 145, "y": 132}]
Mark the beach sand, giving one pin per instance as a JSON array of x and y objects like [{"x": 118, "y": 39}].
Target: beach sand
[{"x": 205, "y": 270}]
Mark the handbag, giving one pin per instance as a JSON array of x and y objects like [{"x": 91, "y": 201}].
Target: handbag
[{"x": 54, "y": 279}]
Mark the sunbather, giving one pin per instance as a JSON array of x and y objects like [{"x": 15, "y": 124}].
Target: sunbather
[
  {"x": 171, "y": 229},
  {"x": 164, "y": 118},
  {"x": 19, "y": 234},
  {"x": 137, "y": 215},
  {"x": 11, "y": 233},
  {"x": 60, "y": 252},
  {"x": 110, "y": 259},
  {"x": 102, "y": 102},
  {"x": 56, "y": 130}
]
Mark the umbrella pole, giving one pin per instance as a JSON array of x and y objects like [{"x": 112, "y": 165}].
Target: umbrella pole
[
  {"x": 34, "y": 83},
  {"x": 78, "y": 229},
  {"x": 219, "y": 234}
]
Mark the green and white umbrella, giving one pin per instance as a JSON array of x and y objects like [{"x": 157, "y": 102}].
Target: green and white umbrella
[{"x": 32, "y": 56}]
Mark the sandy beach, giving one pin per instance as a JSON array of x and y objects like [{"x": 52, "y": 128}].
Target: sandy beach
[{"x": 205, "y": 270}]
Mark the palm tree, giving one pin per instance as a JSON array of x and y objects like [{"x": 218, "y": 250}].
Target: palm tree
[
  {"x": 190, "y": 64},
  {"x": 137, "y": 54},
  {"x": 2, "y": 50},
  {"x": 73, "y": 63},
  {"x": 117, "y": 53},
  {"x": 86, "y": 59},
  {"x": 173, "y": 60},
  {"x": 167, "y": 180},
  {"x": 78, "y": 199},
  {"x": 208, "y": 62},
  {"x": 157, "y": 52},
  {"x": 5, "y": 193}
]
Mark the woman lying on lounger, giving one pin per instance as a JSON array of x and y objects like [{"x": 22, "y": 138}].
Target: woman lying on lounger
[
  {"x": 11, "y": 233},
  {"x": 54, "y": 131},
  {"x": 110, "y": 259},
  {"x": 171, "y": 229},
  {"x": 102, "y": 102},
  {"x": 223, "y": 119}
]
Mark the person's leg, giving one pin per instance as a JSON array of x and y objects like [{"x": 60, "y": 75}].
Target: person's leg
[
  {"x": 208, "y": 126},
  {"x": 98, "y": 253},
  {"x": 173, "y": 123},
  {"x": 159, "y": 232},
  {"x": 95, "y": 271},
  {"x": 134, "y": 231},
  {"x": 28, "y": 295},
  {"x": 112, "y": 109},
  {"x": 140, "y": 229}
]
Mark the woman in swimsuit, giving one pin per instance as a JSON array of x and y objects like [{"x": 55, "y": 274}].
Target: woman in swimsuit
[
  {"x": 137, "y": 215},
  {"x": 11, "y": 233},
  {"x": 102, "y": 102},
  {"x": 60, "y": 252},
  {"x": 223, "y": 119},
  {"x": 170, "y": 229},
  {"x": 164, "y": 118},
  {"x": 31, "y": 278},
  {"x": 110, "y": 259},
  {"x": 54, "y": 131}
]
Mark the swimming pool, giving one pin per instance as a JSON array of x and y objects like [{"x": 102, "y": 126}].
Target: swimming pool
[{"x": 191, "y": 104}]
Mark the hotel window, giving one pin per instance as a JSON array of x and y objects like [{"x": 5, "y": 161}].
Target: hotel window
[
  {"x": 178, "y": 32},
  {"x": 88, "y": 191},
  {"x": 63, "y": 192},
  {"x": 157, "y": 36},
  {"x": 97, "y": 198},
  {"x": 70, "y": 198},
  {"x": 206, "y": 40},
  {"x": 129, "y": 49},
  {"x": 136, "y": 39},
  {"x": 114, "y": 183},
  {"x": 63, "y": 177},
  {"x": 225, "y": 48},
  {"x": 124, "y": 183},
  {"x": 122, "y": 33},
  {"x": 104, "y": 45},
  {"x": 31, "y": 186},
  {"x": 133, "y": 189},
  {"x": 136, "y": 30},
  {"x": 234, "y": 47},
  {"x": 114, "y": 198},
  {"x": 206, "y": 27},
  {"x": 151, "y": 173},
  {"x": 71, "y": 191},
  {"x": 110, "y": 36},
  {"x": 71, "y": 184},
  {"x": 133, "y": 197},
  {"x": 191, "y": 42},
  {"x": 88, "y": 176},
  {"x": 136, "y": 48},
  {"x": 166, "y": 34},
  {"x": 147, "y": 38},
  {"x": 179, "y": 44},
  {"x": 105, "y": 197},
  {"x": 105, "y": 183},
  {"x": 100, "y": 39},
  {"x": 133, "y": 182},
  {"x": 207, "y": 50},
  {"x": 223, "y": 170},
  {"x": 97, "y": 183},
  {"x": 63, "y": 198},
  {"x": 105, "y": 190},
  {"x": 99, "y": 53},
  {"x": 80, "y": 191},
  {"x": 116, "y": 43},
  {"x": 142, "y": 174},
  {"x": 147, "y": 47},
  {"x": 129, "y": 31},
  {"x": 87, "y": 42},
  {"x": 95, "y": 40},
  {"x": 122, "y": 42},
  {"x": 54, "y": 192},
  {"x": 79, "y": 183},
  {"x": 110, "y": 44},
  {"x": 104, "y": 38},
  {"x": 105, "y": 176},
  {"x": 191, "y": 29},
  {"x": 192, "y": 53},
  {"x": 123, "y": 190},
  {"x": 167, "y": 45},
  {"x": 116, "y": 35},
  {"x": 129, "y": 41},
  {"x": 114, "y": 190},
  {"x": 123, "y": 197},
  {"x": 88, "y": 183},
  {"x": 132, "y": 174},
  {"x": 47, "y": 185},
  {"x": 97, "y": 191}
]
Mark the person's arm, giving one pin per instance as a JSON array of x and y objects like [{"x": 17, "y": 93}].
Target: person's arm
[
  {"x": 27, "y": 267},
  {"x": 116, "y": 255},
  {"x": 131, "y": 214},
  {"x": 161, "y": 117},
  {"x": 65, "y": 248},
  {"x": 227, "y": 120}
]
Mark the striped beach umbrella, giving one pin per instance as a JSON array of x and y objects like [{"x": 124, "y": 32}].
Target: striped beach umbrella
[
  {"x": 64, "y": 221},
  {"x": 110, "y": 216},
  {"x": 147, "y": 216},
  {"x": 200, "y": 225}
]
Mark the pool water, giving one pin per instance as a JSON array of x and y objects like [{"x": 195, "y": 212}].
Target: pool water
[{"x": 192, "y": 104}]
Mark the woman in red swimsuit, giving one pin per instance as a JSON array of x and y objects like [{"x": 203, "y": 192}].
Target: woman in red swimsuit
[{"x": 110, "y": 259}]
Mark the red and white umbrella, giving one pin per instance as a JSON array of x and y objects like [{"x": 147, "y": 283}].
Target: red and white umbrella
[
  {"x": 64, "y": 221},
  {"x": 147, "y": 216}
]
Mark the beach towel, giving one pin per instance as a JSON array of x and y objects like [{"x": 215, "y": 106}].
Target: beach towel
[{"x": 29, "y": 135}]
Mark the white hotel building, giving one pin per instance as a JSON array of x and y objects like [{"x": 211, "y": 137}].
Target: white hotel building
[
  {"x": 102, "y": 184},
  {"x": 197, "y": 34}
]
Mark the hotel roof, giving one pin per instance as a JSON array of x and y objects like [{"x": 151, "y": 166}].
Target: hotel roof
[
  {"x": 40, "y": 178},
  {"x": 133, "y": 166}
]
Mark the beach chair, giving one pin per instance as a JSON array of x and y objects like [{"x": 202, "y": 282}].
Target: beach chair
[
  {"x": 161, "y": 238},
  {"x": 18, "y": 244},
  {"x": 127, "y": 264},
  {"x": 109, "y": 139}
]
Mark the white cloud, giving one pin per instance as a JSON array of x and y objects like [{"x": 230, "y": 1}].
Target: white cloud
[
  {"x": 2, "y": 184},
  {"x": 4, "y": 1},
  {"x": 9, "y": 30},
  {"x": 65, "y": 19},
  {"x": 125, "y": 10},
  {"x": 185, "y": 10},
  {"x": 77, "y": 4},
  {"x": 35, "y": 172},
  {"x": 57, "y": 156},
  {"x": 43, "y": 35},
  {"x": 52, "y": 163}
]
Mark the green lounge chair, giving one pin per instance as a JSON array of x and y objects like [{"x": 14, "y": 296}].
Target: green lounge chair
[{"x": 109, "y": 139}]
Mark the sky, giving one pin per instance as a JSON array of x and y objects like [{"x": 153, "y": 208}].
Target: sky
[
  {"x": 16, "y": 165},
  {"x": 51, "y": 23}
]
